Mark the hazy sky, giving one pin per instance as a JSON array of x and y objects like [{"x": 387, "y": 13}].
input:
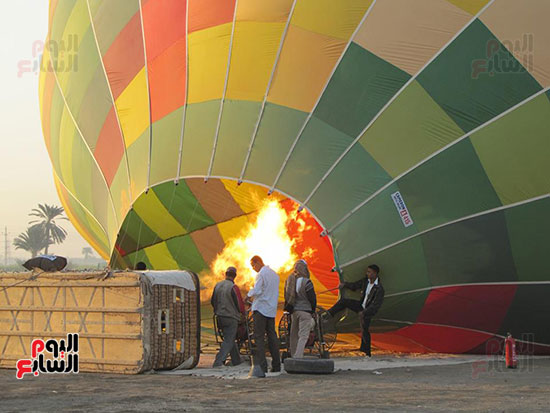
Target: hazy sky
[{"x": 24, "y": 162}]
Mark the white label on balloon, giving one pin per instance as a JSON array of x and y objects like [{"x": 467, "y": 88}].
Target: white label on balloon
[{"x": 402, "y": 209}]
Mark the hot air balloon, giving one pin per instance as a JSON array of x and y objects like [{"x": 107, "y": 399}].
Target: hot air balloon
[{"x": 410, "y": 134}]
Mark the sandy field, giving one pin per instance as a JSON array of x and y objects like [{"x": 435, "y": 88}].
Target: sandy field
[{"x": 384, "y": 383}]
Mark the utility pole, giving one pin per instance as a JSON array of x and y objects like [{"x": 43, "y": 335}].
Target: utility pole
[{"x": 6, "y": 246}]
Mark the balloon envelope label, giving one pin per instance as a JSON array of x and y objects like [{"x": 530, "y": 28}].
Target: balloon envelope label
[{"x": 402, "y": 209}]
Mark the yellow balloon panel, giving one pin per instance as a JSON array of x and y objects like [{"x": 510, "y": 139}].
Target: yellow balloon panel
[
  {"x": 160, "y": 257},
  {"x": 77, "y": 26},
  {"x": 133, "y": 108},
  {"x": 330, "y": 18},
  {"x": 208, "y": 54},
  {"x": 157, "y": 217},
  {"x": 255, "y": 47},
  {"x": 300, "y": 89}
]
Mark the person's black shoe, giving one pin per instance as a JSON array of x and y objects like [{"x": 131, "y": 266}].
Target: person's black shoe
[{"x": 275, "y": 369}]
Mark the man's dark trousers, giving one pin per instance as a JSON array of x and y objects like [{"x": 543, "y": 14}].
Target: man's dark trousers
[
  {"x": 344, "y": 303},
  {"x": 365, "y": 335},
  {"x": 229, "y": 328},
  {"x": 356, "y": 306},
  {"x": 263, "y": 324}
]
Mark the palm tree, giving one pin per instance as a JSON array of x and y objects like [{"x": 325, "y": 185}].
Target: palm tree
[
  {"x": 46, "y": 215},
  {"x": 32, "y": 240},
  {"x": 87, "y": 252}
]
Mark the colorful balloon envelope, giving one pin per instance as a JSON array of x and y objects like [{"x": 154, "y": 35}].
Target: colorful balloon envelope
[{"x": 411, "y": 134}]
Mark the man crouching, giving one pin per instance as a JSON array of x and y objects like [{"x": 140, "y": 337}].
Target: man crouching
[{"x": 228, "y": 308}]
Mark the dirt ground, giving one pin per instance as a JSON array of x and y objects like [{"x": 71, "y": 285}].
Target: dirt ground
[{"x": 473, "y": 385}]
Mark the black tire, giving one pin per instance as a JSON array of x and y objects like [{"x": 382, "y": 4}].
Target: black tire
[{"x": 309, "y": 366}]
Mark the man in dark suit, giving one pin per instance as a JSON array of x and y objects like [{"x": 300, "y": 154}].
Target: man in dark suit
[{"x": 372, "y": 296}]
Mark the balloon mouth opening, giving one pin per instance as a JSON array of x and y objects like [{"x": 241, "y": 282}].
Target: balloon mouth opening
[{"x": 218, "y": 226}]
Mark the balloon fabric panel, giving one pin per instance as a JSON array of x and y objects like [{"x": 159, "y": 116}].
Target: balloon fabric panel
[{"x": 412, "y": 134}]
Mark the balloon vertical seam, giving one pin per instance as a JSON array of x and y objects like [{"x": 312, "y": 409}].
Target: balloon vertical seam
[
  {"x": 220, "y": 113},
  {"x": 446, "y": 224},
  {"x": 393, "y": 98},
  {"x": 82, "y": 205},
  {"x": 310, "y": 114},
  {"x": 148, "y": 96},
  {"x": 112, "y": 100},
  {"x": 184, "y": 114},
  {"x": 262, "y": 108},
  {"x": 434, "y": 154},
  {"x": 86, "y": 144}
]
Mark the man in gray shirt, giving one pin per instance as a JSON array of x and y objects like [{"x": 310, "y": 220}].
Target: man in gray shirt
[{"x": 228, "y": 307}]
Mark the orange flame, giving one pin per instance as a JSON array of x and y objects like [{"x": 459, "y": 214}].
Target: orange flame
[{"x": 267, "y": 237}]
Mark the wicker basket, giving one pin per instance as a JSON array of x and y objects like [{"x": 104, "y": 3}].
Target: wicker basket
[{"x": 127, "y": 322}]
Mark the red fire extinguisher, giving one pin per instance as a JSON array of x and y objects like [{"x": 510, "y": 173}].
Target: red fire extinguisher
[{"x": 510, "y": 352}]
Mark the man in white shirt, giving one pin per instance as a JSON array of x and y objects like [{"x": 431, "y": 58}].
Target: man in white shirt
[
  {"x": 264, "y": 310},
  {"x": 372, "y": 296}
]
